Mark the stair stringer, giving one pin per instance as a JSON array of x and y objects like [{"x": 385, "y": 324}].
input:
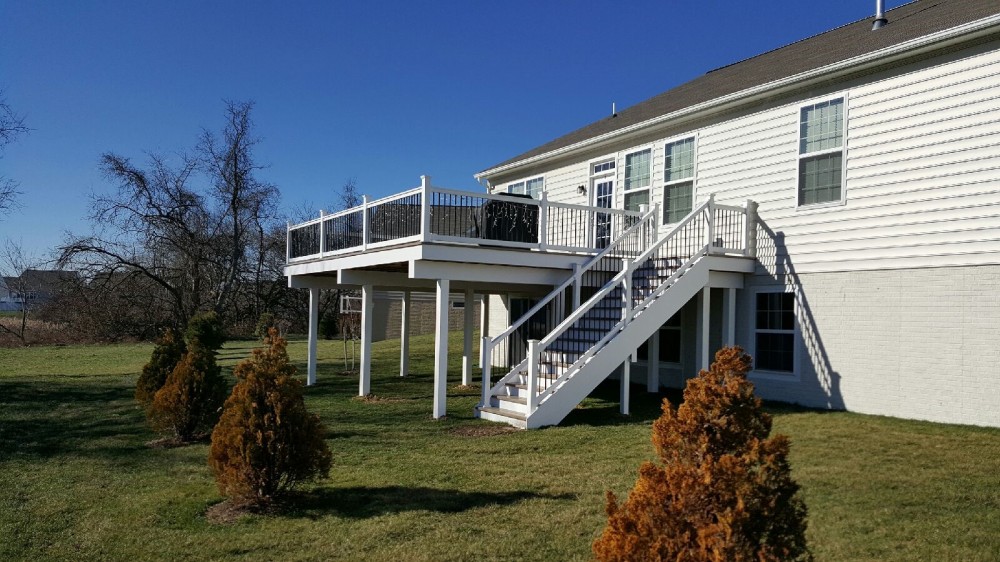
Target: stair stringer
[{"x": 579, "y": 383}]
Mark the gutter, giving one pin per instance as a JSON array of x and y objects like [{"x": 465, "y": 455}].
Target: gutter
[{"x": 944, "y": 38}]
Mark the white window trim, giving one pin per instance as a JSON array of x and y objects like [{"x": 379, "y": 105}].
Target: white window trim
[
  {"x": 620, "y": 177},
  {"x": 525, "y": 181},
  {"x": 783, "y": 376},
  {"x": 842, "y": 149},
  {"x": 694, "y": 173}
]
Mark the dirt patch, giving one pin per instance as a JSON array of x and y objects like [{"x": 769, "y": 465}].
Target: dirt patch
[
  {"x": 482, "y": 430},
  {"x": 229, "y": 512},
  {"x": 174, "y": 442},
  {"x": 373, "y": 398},
  {"x": 465, "y": 389}
]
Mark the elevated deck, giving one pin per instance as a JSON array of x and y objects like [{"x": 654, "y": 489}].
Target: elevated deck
[{"x": 478, "y": 240}]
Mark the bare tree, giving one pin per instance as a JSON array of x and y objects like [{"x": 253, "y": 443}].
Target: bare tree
[
  {"x": 200, "y": 249},
  {"x": 13, "y": 266},
  {"x": 349, "y": 196},
  {"x": 11, "y": 126},
  {"x": 246, "y": 205}
]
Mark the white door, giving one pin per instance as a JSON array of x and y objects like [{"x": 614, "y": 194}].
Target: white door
[{"x": 603, "y": 190}]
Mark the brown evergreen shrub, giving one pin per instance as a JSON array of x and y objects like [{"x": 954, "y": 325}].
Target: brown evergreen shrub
[
  {"x": 724, "y": 491},
  {"x": 267, "y": 442},
  {"x": 190, "y": 399},
  {"x": 166, "y": 355}
]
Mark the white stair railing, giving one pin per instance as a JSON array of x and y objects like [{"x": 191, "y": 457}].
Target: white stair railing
[
  {"x": 708, "y": 229},
  {"x": 510, "y": 348}
]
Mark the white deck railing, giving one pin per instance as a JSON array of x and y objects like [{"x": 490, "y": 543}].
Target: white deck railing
[{"x": 434, "y": 214}]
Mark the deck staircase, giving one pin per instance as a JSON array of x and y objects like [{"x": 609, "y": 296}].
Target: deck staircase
[{"x": 655, "y": 276}]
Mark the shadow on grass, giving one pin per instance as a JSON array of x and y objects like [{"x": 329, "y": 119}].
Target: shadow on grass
[
  {"x": 47, "y": 418},
  {"x": 602, "y": 407},
  {"x": 363, "y": 502}
]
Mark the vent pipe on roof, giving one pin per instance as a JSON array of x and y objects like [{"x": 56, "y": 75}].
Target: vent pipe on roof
[{"x": 879, "y": 15}]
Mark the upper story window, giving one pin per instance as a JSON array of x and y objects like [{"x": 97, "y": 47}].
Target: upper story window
[
  {"x": 638, "y": 175},
  {"x": 678, "y": 177},
  {"x": 532, "y": 187},
  {"x": 821, "y": 152}
]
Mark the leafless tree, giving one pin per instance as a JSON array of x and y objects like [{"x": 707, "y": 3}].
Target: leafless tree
[
  {"x": 13, "y": 264},
  {"x": 11, "y": 127},
  {"x": 201, "y": 249},
  {"x": 349, "y": 196}
]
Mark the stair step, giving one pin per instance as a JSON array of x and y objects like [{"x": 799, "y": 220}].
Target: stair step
[
  {"x": 503, "y": 412},
  {"x": 516, "y": 399}
]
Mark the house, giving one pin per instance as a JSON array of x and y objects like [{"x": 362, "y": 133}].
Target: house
[
  {"x": 33, "y": 288},
  {"x": 833, "y": 206}
]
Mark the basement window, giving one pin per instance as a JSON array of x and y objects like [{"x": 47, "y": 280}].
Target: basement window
[{"x": 774, "y": 332}]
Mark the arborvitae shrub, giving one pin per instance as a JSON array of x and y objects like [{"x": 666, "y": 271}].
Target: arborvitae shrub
[
  {"x": 166, "y": 355},
  {"x": 265, "y": 322},
  {"x": 724, "y": 491},
  {"x": 267, "y": 442},
  {"x": 205, "y": 330},
  {"x": 189, "y": 401}
]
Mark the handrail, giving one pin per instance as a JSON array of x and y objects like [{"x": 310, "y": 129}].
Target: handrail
[
  {"x": 585, "y": 307},
  {"x": 311, "y": 239},
  {"x": 624, "y": 280},
  {"x": 488, "y": 345}
]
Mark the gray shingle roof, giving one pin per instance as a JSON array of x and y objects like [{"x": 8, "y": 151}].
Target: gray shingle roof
[{"x": 907, "y": 22}]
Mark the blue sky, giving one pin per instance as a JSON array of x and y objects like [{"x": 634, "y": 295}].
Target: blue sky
[{"x": 379, "y": 91}]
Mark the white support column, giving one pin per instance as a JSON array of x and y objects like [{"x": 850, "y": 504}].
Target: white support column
[
  {"x": 626, "y": 379},
  {"x": 313, "y": 335},
  {"x": 484, "y": 325},
  {"x": 404, "y": 336},
  {"x": 706, "y": 313},
  {"x": 470, "y": 322},
  {"x": 367, "y": 314},
  {"x": 577, "y": 284},
  {"x": 441, "y": 349},
  {"x": 729, "y": 317},
  {"x": 653, "y": 363}
]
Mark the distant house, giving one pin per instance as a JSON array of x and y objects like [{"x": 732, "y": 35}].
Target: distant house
[
  {"x": 833, "y": 206},
  {"x": 33, "y": 288}
]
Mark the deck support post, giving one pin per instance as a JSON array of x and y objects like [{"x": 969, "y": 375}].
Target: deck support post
[
  {"x": 625, "y": 382},
  {"x": 441, "y": 348},
  {"x": 404, "y": 335},
  {"x": 313, "y": 335},
  {"x": 469, "y": 310},
  {"x": 729, "y": 317},
  {"x": 653, "y": 363},
  {"x": 484, "y": 325},
  {"x": 705, "y": 322},
  {"x": 367, "y": 313}
]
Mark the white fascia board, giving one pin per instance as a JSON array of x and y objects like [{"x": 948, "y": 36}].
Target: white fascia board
[
  {"x": 497, "y": 275},
  {"x": 965, "y": 32}
]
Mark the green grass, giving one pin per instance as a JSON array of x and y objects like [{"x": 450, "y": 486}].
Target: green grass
[{"x": 77, "y": 481}]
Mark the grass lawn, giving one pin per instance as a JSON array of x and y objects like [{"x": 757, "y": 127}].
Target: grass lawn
[{"x": 77, "y": 481}]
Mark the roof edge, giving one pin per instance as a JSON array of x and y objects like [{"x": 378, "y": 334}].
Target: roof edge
[{"x": 967, "y": 31}]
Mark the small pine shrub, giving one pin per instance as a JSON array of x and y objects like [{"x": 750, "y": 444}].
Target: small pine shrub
[
  {"x": 166, "y": 355},
  {"x": 267, "y": 442},
  {"x": 205, "y": 330},
  {"x": 264, "y": 323},
  {"x": 190, "y": 400},
  {"x": 724, "y": 490}
]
